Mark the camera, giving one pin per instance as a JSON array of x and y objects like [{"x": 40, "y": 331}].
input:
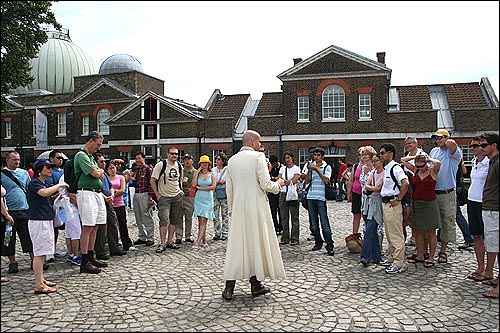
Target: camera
[{"x": 367, "y": 192}]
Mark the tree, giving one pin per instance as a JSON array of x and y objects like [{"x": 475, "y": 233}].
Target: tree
[{"x": 22, "y": 37}]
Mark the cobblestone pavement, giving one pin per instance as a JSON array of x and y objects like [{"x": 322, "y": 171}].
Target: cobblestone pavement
[{"x": 180, "y": 290}]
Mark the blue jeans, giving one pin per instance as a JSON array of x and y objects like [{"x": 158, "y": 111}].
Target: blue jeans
[
  {"x": 371, "y": 246},
  {"x": 318, "y": 208},
  {"x": 462, "y": 222}
]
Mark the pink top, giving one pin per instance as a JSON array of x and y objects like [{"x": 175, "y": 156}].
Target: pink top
[
  {"x": 117, "y": 185},
  {"x": 356, "y": 185}
]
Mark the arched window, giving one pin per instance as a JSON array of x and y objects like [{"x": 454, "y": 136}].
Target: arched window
[
  {"x": 333, "y": 103},
  {"x": 103, "y": 115}
]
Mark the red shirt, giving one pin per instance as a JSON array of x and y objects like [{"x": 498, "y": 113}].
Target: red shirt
[
  {"x": 423, "y": 189},
  {"x": 342, "y": 168}
]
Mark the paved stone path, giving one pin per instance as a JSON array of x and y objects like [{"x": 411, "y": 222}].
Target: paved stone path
[{"x": 180, "y": 290}]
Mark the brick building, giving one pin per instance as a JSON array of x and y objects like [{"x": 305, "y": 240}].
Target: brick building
[{"x": 335, "y": 99}]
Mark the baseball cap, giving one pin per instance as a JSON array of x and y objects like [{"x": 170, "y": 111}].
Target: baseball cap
[
  {"x": 40, "y": 163},
  {"x": 189, "y": 156},
  {"x": 441, "y": 132}
]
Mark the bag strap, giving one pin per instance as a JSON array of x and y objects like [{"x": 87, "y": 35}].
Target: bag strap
[{"x": 9, "y": 174}]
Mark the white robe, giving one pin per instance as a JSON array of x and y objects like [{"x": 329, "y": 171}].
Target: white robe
[{"x": 252, "y": 247}]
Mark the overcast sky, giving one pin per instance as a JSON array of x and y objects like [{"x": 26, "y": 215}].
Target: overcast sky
[{"x": 241, "y": 47}]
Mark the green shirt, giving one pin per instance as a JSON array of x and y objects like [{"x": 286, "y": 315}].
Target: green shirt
[
  {"x": 84, "y": 165},
  {"x": 189, "y": 175}
]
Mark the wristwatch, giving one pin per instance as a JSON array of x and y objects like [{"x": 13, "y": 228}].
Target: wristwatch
[{"x": 397, "y": 199}]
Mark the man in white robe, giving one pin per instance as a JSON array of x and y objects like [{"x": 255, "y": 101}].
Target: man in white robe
[{"x": 252, "y": 249}]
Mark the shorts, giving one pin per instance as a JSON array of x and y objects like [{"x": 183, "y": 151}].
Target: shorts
[
  {"x": 42, "y": 236},
  {"x": 355, "y": 203},
  {"x": 91, "y": 208},
  {"x": 170, "y": 210},
  {"x": 491, "y": 230},
  {"x": 475, "y": 217},
  {"x": 73, "y": 226}
]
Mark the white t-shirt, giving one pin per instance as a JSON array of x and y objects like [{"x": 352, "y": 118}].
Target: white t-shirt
[{"x": 290, "y": 172}]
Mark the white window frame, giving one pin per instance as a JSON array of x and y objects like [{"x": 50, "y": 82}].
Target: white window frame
[
  {"x": 365, "y": 106},
  {"x": 303, "y": 108},
  {"x": 85, "y": 126},
  {"x": 303, "y": 156},
  {"x": 8, "y": 129},
  {"x": 103, "y": 128},
  {"x": 61, "y": 124},
  {"x": 34, "y": 125},
  {"x": 333, "y": 103}
]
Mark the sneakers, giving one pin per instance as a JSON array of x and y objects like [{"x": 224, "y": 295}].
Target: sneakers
[
  {"x": 385, "y": 263},
  {"x": 139, "y": 242},
  {"x": 465, "y": 245},
  {"x": 189, "y": 240},
  {"x": 178, "y": 241},
  {"x": 131, "y": 248},
  {"x": 13, "y": 268},
  {"x": 394, "y": 269},
  {"x": 410, "y": 241},
  {"x": 77, "y": 260}
]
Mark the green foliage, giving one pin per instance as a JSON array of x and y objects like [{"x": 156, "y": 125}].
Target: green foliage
[{"x": 22, "y": 37}]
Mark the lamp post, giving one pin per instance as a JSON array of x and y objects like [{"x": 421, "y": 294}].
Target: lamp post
[
  {"x": 279, "y": 132},
  {"x": 199, "y": 135}
]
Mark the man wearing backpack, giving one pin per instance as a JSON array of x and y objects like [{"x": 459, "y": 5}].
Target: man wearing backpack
[
  {"x": 166, "y": 182},
  {"x": 91, "y": 205},
  {"x": 392, "y": 192},
  {"x": 143, "y": 199}
]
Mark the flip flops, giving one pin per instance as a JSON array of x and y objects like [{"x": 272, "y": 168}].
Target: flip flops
[
  {"x": 481, "y": 278},
  {"x": 492, "y": 282},
  {"x": 442, "y": 258},
  {"x": 490, "y": 294}
]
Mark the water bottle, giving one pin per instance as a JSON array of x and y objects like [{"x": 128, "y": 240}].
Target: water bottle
[
  {"x": 8, "y": 234},
  {"x": 62, "y": 214}
]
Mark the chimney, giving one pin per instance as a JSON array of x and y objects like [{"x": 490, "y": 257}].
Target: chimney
[
  {"x": 381, "y": 57},
  {"x": 296, "y": 61}
]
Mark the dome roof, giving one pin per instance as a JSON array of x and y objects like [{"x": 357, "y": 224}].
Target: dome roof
[
  {"x": 120, "y": 63},
  {"x": 58, "y": 61}
]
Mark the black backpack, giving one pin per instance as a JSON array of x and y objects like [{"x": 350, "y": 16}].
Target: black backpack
[
  {"x": 164, "y": 167},
  {"x": 69, "y": 175}
]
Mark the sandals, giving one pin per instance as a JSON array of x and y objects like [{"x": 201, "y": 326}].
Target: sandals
[
  {"x": 44, "y": 290},
  {"x": 172, "y": 245},
  {"x": 161, "y": 248},
  {"x": 482, "y": 278},
  {"x": 414, "y": 256},
  {"x": 49, "y": 283},
  {"x": 428, "y": 264},
  {"x": 442, "y": 258},
  {"x": 492, "y": 282},
  {"x": 415, "y": 260}
]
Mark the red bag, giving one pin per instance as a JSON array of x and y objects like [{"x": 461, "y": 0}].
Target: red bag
[{"x": 192, "y": 192}]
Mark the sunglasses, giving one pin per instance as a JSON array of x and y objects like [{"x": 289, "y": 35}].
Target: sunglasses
[
  {"x": 474, "y": 146},
  {"x": 382, "y": 152},
  {"x": 484, "y": 145},
  {"x": 439, "y": 137},
  {"x": 60, "y": 158},
  {"x": 420, "y": 166},
  {"x": 375, "y": 161},
  {"x": 173, "y": 153}
]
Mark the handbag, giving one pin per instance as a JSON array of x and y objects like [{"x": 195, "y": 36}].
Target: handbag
[
  {"x": 291, "y": 190},
  {"x": 220, "y": 192},
  {"x": 330, "y": 191},
  {"x": 192, "y": 192},
  {"x": 303, "y": 196}
]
